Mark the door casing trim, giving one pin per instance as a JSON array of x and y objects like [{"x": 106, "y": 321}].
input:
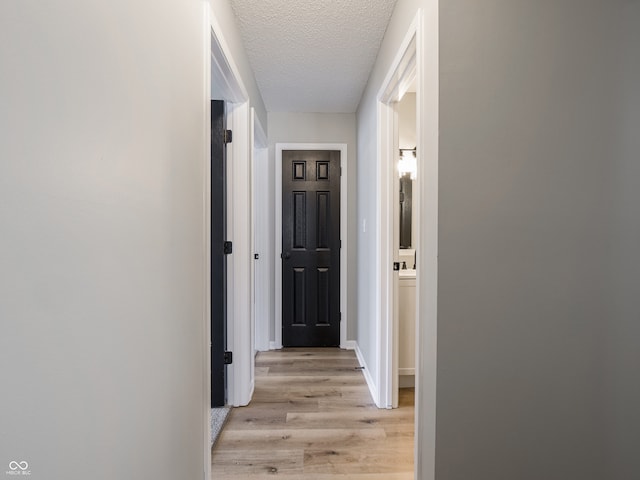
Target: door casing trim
[
  {"x": 262, "y": 309},
  {"x": 342, "y": 147}
]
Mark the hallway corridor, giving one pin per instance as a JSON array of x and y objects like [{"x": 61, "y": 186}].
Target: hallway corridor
[{"x": 312, "y": 417}]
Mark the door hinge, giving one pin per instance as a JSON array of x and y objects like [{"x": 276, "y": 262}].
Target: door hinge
[
  {"x": 228, "y": 248},
  {"x": 228, "y": 358},
  {"x": 340, "y": 316},
  {"x": 227, "y": 136}
]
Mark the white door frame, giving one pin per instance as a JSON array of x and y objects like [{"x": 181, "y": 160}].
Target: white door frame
[
  {"x": 417, "y": 57},
  {"x": 261, "y": 211},
  {"x": 240, "y": 379},
  {"x": 342, "y": 147}
]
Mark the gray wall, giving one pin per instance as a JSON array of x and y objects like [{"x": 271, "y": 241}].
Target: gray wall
[
  {"x": 102, "y": 148},
  {"x": 323, "y": 128},
  {"x": 538, "y": 180},
  {"x": 622, "y": 386}
]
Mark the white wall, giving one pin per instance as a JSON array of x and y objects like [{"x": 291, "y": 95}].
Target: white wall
[
  {"x": 406, "y": 109},
  {"x": 102, "y": 146},
  {"x": 322, "y": 128}
]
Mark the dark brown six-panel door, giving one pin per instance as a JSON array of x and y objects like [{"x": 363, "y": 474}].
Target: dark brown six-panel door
[{"x": 310, "y": 248}]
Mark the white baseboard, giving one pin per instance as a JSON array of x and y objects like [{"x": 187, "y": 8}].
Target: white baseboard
[
  {"x": 367, "y": 376},
  {"x": 349, "y": 345}
]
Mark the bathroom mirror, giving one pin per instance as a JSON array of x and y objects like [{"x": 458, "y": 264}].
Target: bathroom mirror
[
  {"x": 405, "y": 210},
  {"x": 407, "y": 168}
]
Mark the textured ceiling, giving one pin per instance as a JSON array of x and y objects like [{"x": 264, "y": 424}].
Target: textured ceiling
[{"x": 312, "y": 55}]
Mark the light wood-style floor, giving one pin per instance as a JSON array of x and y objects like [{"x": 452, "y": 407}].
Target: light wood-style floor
[{"x": 312, "y": 417}]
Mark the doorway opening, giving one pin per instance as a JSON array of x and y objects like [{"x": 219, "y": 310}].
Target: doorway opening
[
  {"x": 226, "y": 84},
  {"x": 235, "y": 386},
  {"x": 416, "y": 60},
  {"x": 406, "y": 217},
  {"x": 400, "y": 78}
]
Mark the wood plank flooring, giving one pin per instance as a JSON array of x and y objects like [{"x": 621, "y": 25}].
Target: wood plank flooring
[{"x": 312, "y": 417}]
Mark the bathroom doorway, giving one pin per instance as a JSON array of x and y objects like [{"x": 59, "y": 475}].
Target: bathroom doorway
[{"x": 406, "y": 217}]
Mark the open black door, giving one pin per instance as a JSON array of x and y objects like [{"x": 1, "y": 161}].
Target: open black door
[
  {"x": 310, "y": 248},
  {"x": 218, "y": 257}
]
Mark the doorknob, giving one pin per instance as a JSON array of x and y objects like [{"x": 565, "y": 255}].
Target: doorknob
[{"x": 285, "y": 256}]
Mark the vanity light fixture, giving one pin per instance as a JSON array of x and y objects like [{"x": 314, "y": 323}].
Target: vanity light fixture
[{"x": 408, "y": 162}]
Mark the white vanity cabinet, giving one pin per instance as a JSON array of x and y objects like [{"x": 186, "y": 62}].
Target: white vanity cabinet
[{"x": 407, "y": 324}]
